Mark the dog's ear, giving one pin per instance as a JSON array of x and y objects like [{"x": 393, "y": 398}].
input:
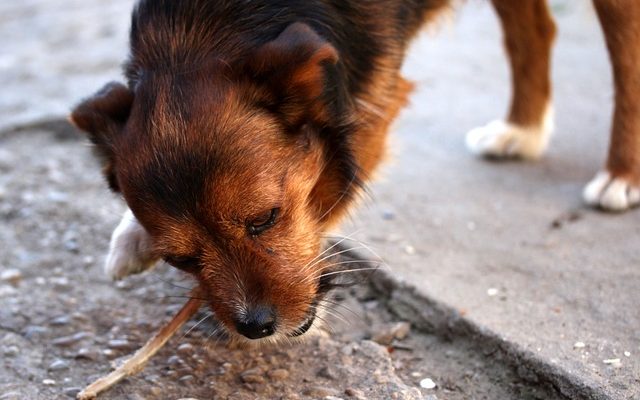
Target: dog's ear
[
  {"x": 298, "y": 67},
  {"x": 103, "y": 117}
]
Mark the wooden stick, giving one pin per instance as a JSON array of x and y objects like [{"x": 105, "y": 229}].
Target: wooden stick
[{"x": 137, "y": 362}]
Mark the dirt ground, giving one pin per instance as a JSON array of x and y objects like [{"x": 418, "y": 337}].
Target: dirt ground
[{"x": 63, "y": 323}]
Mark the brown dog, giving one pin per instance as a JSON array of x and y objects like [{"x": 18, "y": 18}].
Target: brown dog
[{"x": 247, "y": 128}]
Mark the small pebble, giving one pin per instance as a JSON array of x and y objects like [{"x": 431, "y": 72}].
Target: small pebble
[
  {"x": 61, "y": 320},
  {"x": 409, "y": 249},
  {"x": 349, "y": 349},
  {"x": 123, "y": 284},
  {"x": 48, "y": 382},
  {"x": 579, "y": 345},
  {"x": 613, "y": 362},
  {"x": 12, "y": 276},
  {"x": 416, "y": 374},
  {"x": 61, "y": 282},
  {"x": 278, "y": 374},
  {"x": 32, "y": 331},
  {"x": 187, "y": 378},
  {"x": 119, "y": 344},
  {"x": 332, "y": 398},
  {"x": 58, "y": 365},
  {"x": 227, "y": 365},
  {"x": 627, "y": 354},
  {"x": 65, "y": 341},
  {"x": 371, "y": 304},
  {"x": 358, "y": 394},
  {"x": 71, "y": 391},
  {"x": 11, "y": 351},
  {"x": 87, "y": 354},
  {"x": 327, "y": 372},
  {"x": 492, "y": 291},
  {"x": 70, "y": 241},
  {"x": 427, "y": 383},
  {"x": 399, "y": 331},
  {"x": 319, "y": 391},
  {"x": 185, "y": 349},
  {"x": 58, "y": 197},
  {"x": 174, "y": 360},
  {"x": 252, "y": 376},
  {"x": 7, "y": 291}
]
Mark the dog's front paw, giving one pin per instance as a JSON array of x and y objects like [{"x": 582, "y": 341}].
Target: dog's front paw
[
  {"x": 611, "y": 193},
  {"x": 502, "y": 139},
  {"x": 129, "y": 249}
]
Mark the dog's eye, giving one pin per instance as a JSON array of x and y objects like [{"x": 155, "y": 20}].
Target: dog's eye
[
  {"x": 185, "y": 263},
  {"x": 263, "y": 222}
]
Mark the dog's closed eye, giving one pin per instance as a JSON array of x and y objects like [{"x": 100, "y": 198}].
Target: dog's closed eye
[
  {"x": 185, "y": 263},
  {"x": 263, "y": 222}
]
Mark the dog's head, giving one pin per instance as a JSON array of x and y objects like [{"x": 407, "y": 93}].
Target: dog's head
[{"x": 235, "y": 171}]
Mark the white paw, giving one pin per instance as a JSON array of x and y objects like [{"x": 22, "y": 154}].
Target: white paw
[
  {"x": 611, "y": 193},
  {"x": 504, "y": 140},
  {"x": 129, "y": 249}
]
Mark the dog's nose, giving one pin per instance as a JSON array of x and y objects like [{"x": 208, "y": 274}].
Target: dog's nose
[{"x": 257, "y": 323}]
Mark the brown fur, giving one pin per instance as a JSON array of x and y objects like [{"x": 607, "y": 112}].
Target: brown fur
[{"x": 529, "y": 32}]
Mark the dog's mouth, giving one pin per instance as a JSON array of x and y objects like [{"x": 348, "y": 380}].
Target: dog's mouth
[
  {"x": 326, "y": 282},
  {"x": 307, "y": 324}
]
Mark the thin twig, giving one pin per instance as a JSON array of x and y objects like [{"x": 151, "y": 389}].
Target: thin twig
[{"x": 137, "y": 362}]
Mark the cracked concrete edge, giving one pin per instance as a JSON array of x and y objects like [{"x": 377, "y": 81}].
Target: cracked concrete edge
[{"x": 432, "y": 316}]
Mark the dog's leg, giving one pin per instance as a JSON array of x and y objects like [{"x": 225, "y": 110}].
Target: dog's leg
[
  {"x": 617, "y": 188},
  {"x": 529, "y": 32},
  {"x": 129, "y": 249}
]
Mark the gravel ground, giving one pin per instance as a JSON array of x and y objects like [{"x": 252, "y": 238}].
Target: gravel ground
[{"x": 63, "y": 324}]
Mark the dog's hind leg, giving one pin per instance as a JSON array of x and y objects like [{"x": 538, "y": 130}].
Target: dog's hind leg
[
  {"x": 529, "y": 32},
  {"x": 617, "y": 188}
]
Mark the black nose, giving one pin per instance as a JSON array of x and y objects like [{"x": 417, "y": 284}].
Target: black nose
[{"x": 257, "y": 323}]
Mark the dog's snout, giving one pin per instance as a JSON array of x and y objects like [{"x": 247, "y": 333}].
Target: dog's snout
[{"x": 258, "y": 322}]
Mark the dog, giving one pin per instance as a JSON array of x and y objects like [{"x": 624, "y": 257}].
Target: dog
[{"x": 247, "y": 128}]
